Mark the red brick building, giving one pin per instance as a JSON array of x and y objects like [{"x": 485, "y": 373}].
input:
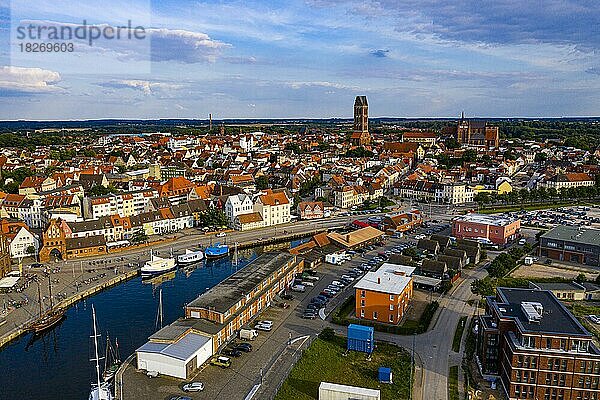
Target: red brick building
[
  {"x": 537, "y": 348},
  {"x": 487, "y": 229}
]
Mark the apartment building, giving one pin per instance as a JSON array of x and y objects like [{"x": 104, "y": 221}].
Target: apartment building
[
  {"x": 569, "y": 180},
  {"x": 124, "y": 204},
  {"x": 238, "y": 204},
  {"x": 274, "y": 207},
  {"x": 537, "y": 348},
  {"x": 384, "y": 295},
  {"x": 489, "y": 229}
]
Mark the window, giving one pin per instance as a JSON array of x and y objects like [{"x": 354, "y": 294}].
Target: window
[
  {"x": 363, "y": 293},
  {"x": 362, "y": 313},
  {"x": 362, "y": 303},
  {"x": 391, "y": 318},
  {"x": 391, "y": 297},
  {"x": 374, "y": 314},
  {"x": 391, "y": 307}
]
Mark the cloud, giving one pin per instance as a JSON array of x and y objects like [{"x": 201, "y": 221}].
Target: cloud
[
  {"x": 17, "y": 81},
  {"x": 146, "y": 87},
  {"x": 323, "y": 84},
  {"x": 155, "y": 44},
  {"x": 184, "y": 46},
  {"x": 593, "y": 70},
  {"x": 380, "y": 53}
]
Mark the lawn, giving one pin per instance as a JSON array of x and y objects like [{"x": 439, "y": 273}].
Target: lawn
[
  {"x": 453, "y": 383},
  {"x": 324, "y": 361},
  {"x": 460, "y": 327}
]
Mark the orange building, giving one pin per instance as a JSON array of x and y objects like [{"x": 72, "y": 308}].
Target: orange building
[{"x": 384, "y": 295}]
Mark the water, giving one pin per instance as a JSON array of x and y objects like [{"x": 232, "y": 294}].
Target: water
[{"x": 57, "y": 366}]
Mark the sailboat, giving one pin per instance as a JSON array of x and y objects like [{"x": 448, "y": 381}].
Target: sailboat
[
  {"x": 100, "y": 390},
  {"x": 112, "y": 360},
  {"x": 49, "y": 318}
]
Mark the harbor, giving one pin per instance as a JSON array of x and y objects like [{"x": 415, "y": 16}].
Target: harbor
[{"x": 126, "y": 308}]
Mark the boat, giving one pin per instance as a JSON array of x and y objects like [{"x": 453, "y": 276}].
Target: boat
[
  {"x": 49, "y": 318},
  {"x": 158, "y": 280},
  {"x": 112, "y": 360},
  {"x": 100, "y": 390},
  {"x": 190, "y": 257},
  {"x": 216, "y": 251},
  {"x": 157, "y": 266}
]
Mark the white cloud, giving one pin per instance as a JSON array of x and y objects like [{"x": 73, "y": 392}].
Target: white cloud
[
  {"x": 21, "y": 80},
  {"x": 146, "y": 87}
]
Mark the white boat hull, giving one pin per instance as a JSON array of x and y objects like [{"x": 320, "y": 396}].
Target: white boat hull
[
  {"x": 190, "y": 257},
  {"x": 158, "y": 266}
]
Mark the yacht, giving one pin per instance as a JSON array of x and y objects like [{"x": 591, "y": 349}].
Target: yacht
[
  {"x": 190, "y": 257},
  {"x": 216, "y": 251},
  {"x": 158, "y": 266}
]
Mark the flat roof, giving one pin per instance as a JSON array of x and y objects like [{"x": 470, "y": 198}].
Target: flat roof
[
  {"x": 555, "y": 317},
  {"x": 426, "y": 280},
  {"x": 574, "y": 234},
  {"x": 8, "y": 282},
  {"x": 182, "y": 349},
  {"x": 384, "y": 281},
  {"x": 485, "y": 219},
  {"x": 226, "y": 294},
  {"x": 334, "y": 387},
  {"x": 391, "y": 267}
]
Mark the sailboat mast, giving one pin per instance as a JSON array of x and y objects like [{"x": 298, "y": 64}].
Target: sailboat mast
[
  {"x": 96, "y": 351},
  {"x": 159, "y": 316},
  {"x": 40, "y": 299},
  {"x": 50, "y": 291}
]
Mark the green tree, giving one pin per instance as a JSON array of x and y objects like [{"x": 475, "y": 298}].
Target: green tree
[
  {"x": 262, "y": 182},
  {"x": 580, "y": 278}
]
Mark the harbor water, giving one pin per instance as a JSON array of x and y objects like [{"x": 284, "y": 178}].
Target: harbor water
[{"x": 56, "y": 365}]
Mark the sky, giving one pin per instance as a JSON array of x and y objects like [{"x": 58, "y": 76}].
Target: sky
[{"x": 304, "y": 59}]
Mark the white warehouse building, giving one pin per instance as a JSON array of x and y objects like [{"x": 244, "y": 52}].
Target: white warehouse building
[{"x": 175, "y": 353}]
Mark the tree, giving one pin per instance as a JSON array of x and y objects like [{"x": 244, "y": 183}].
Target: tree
[
  {"x": 99, "y": 190},
  {"x": 581, "y": 278},
  {"x": 483, "y": 287},
  {"x": 262, "y": 182},
  {"x": 139, "y": 236},
  {"x": 452, "y": 143},
  {"x": 30, "y": 250},
  {"x": 359, "y": 152},
  {"x": 482, "y": 198},
  {"x": 213, "y": 217},
  {"x": 327, "y": 334}
]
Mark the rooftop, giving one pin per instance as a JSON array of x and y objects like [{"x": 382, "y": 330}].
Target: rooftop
[
  {"x": 386, "y": 280},
  {"x": 226, "y": 294},
  {"x": 485, "y": 219},
  {"x": 574, "y": 234},
  {"x": 555, "y": 318},
  {"x": 182, "y": 349}
]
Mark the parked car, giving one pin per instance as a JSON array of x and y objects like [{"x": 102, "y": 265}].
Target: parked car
[
  {"x": 262, "y": 327},
  {"x": 152, "y": 374},
  {"x": 308, "y": 283},
  {"x": 299, "y": 288},
  {"x": 245, "y": 347},
  {"x": 193, "y": 387},
  {"x": 309, "y": 316},
  {"x": 180, "y": 398},
  {"x": 287, "y": 296},
  {"x": 233, "y": 353},
  {"x": 221, "y": 361},
  {"x": 221, "y": 234},
  {"x": 594, "y": 318}
]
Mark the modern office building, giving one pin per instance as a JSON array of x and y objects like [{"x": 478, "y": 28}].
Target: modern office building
[
  {"x": 572, "y": 244},
  {"x": 537, "y": 348}
]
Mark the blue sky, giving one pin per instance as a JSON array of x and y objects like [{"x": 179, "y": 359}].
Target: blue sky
[{"x": 308, "y": 58}]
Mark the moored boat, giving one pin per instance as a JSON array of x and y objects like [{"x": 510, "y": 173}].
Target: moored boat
[
  {"x": 190, "y": 257},
  {"x": 49, "y": 318},
  {"x": 157, "y": 266},
  {"x": 216, "y": 251}
]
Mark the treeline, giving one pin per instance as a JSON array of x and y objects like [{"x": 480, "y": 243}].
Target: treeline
[{"x": 539, "y": 195}]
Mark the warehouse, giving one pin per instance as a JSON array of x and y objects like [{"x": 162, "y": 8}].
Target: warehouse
[{"x": 171, "y": 353}]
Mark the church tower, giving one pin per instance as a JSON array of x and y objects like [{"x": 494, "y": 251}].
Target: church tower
[{"x": 361, "y": 136}]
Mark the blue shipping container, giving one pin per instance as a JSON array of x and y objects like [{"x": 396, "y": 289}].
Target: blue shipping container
[
  {"x": 360, "y": 338},
  {"x": 385, "y": 375}
]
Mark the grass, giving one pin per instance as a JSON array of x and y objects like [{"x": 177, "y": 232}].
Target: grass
[
  {"x": 453, "y": 383},
  {"x": 460, "y": 327},
  {"x": 519, "y": 207},
  {"x": 408, "y": 327},
  {"x": 325, "y": 361}
]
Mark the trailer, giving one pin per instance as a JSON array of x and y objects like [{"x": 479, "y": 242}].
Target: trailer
[{"x": 248, "y": 334}]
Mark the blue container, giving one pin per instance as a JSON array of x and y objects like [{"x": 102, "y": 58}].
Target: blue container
[
  {"x": 360, "y": 338},
  {"x": 385, "y": 375}
]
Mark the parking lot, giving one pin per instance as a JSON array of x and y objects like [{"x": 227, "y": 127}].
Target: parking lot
[
  {"x": 271, "y": 356},
  {"x": 570, "y": 216}
]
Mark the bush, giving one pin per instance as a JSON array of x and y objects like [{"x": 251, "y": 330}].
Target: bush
[{"x": 327, "y": 334}]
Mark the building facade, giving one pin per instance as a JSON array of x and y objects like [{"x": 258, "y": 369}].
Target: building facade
[
  {"x": 572, "y": 244},
  {"x": 360, "y": 135},
  {"x": 488, "y": 229},
  {"x": 384, "y": 295},
  {"x": 537, "y": 348}
]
